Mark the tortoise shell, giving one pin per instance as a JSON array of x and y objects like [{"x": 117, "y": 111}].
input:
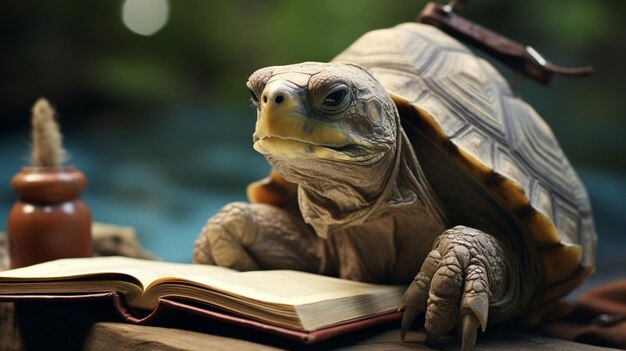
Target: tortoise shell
[{"x": 467, "y": 107}]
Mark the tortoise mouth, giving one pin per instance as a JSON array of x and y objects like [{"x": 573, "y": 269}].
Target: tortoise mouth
[
  {"x": 287, "y": 129},
  {"x": 295, "y": 148}
]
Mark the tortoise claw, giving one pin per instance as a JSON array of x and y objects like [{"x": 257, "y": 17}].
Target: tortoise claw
[
  {"x": 470, "y": 327},
  {"x": 409, "y": 316},
  {"x": 477, "y": 306},
  {"x": 415, "y": 297}
]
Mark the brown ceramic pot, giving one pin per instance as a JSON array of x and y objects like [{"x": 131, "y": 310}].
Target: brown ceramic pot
[{"x": 49, "y": 221}]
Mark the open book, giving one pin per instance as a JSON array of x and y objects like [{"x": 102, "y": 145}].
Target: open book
[{"x": 286, "y": 299}]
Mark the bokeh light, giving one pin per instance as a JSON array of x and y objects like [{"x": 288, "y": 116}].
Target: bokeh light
[{"x": 145, "y": 17}]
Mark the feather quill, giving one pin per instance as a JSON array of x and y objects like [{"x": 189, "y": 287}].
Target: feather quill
[{"x": 47, "y": 149}]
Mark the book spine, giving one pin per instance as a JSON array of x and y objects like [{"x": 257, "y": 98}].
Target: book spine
[{"x": 131, "y": 315}]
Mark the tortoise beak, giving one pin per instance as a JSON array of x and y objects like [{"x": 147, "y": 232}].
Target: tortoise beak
[
  {"x": 285, "y": 128},
  {"x": 280, "y": 110}
]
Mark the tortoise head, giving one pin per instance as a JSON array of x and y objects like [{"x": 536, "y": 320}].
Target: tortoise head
[{"x": 311, "y": 114}]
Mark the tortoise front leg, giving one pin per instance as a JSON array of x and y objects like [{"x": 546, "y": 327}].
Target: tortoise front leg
[
  {"x": 247, "y": 236},
  {"x": 464, "y": 273}
]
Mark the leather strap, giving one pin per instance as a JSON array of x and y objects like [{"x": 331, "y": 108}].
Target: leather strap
[{"x": 520, "y": 58}]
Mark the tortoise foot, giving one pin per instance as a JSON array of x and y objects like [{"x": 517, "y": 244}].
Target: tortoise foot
[
  {"x": 456, "y": 283},
  {"x": 246, "y": 237}
]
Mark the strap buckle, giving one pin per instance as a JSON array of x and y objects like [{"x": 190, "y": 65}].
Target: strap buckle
[{"x": 521, "y": 58}]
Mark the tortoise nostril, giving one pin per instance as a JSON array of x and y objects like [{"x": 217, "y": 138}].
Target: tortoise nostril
[{"x": 276, "y": 94}]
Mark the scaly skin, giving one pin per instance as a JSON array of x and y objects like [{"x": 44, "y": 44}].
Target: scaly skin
[
  {"x": 461, "y": 276},
  {"x": 334, "y": 131},
  {"x": 249, "y": 237}
]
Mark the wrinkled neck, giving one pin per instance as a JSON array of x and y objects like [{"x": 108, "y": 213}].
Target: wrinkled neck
[
  {"x": 337, "y": 201},
  {"x": 360, "y": 193}
]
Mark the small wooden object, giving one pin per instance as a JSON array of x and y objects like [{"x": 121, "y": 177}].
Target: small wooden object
[{"x": 49, "y": 220}]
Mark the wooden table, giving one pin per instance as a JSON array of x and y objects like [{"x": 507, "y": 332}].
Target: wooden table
[
  {"x": 109, "y": 336},
  {"x": 72, "y": 328}
]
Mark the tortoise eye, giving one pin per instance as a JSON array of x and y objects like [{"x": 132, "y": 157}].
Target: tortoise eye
[
  {"x": 337, "y": 98},
  {"x": 334, "y": 99},
  {"x": 254, "y": 98}
]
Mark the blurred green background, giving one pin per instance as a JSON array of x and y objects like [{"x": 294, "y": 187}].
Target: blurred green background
[{"x": 161, "y": 123}]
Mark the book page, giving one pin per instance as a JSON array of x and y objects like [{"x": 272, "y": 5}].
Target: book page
[
  {"x": 144, "y": 271},
  {"x": 289, "y": 298},
  {"x": 288, "y": 287},
  {"x": 279, "y": 296},
  {"x": 277, "y": 286}
]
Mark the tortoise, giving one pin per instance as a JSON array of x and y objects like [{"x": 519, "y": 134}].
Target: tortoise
[{"x": 407, "y": 159}]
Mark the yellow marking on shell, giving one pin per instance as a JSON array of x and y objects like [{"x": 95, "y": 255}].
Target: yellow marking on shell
[
  {"x": 511, "y": 193},
  {"x": 273, "y": 190},
  {"x": 561, "y": 262},
  {"x": 508, "y": 192},
  {"x": 541, "y": 229},
  {"x": 557, "y": 291},
  {"x": 433, "y": 127},
  {"x": 478, "y": 169},
  {"x": 561, "y": 266}
]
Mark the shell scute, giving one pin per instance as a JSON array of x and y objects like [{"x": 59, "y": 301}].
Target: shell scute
[{"x": 461, "y": 100}]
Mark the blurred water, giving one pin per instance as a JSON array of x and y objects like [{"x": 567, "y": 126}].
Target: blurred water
[
  {"x": 164, "y": 179},
  {"x": 167, "y": 178},
  {"x": 607, "y": 191}
]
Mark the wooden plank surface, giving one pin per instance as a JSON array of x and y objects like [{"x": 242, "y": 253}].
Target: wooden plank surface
[
  {"x": 108, "y": 336},
  {"x": 73, "y": 329},
  {"x": 118, "y": 336}
]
